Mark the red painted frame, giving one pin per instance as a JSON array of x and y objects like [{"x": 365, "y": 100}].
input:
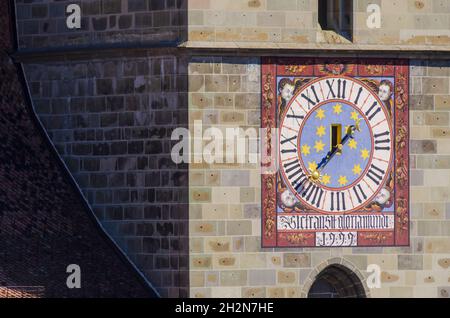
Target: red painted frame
[{"x": 271, "y": 68}]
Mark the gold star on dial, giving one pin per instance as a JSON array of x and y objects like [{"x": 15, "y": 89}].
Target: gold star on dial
[
  {"x": 343, "y": 180},
  {"x": 354, "y": 116},
  {"x": 320, "y": 114},
  {"x": 312, "y": 166},
  {"x": 353, "y": 144},
  {"x": 321, "y": 130},
  {"x": 326, "y": 179},
  {"x": 365, "y": 154},
  {"x": 319, "y": 146},
  {"x": 306, "y": 150},
  {"x": 337, "y": 109},
  {"x": 357, "y": 170}
]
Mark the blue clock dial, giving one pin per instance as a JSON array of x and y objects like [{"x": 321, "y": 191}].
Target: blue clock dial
[
  {"x": 335, "y": 145},
  {"x": 327, "y": 126}
]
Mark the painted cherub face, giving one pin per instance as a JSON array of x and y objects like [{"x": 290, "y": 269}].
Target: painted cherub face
[
  {"x": 287, "y": 92},
  {"x": 288, "y": 199},
  {"x": 384, "y": 92},
  {"x": 382, "y": 197}
]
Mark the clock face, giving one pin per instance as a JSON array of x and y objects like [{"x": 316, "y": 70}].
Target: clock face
[{"x": 336, "y": 145}]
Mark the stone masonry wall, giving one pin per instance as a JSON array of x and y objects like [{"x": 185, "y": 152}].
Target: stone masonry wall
[
  {"x": 42, "y": 23},
  {"x": 408, "y": 22},
  {"x": 288, "y": 23},
  {"x": 270, "y": 21},
  {"x": 111, "y": 121},
  {"x": 226, "y": 257}
]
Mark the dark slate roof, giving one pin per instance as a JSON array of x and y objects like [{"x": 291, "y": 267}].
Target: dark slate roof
[{"x": 45, "y": 224}]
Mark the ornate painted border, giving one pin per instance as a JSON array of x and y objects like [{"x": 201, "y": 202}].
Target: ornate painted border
[{"x": 352, "y": 67}]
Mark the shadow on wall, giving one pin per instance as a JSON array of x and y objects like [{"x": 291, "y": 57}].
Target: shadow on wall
[
  {"x": 45, "y": 225},
  {"x": 111, "y": 117}
]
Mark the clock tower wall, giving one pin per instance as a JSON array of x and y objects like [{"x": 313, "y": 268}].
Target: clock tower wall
[{"x": 226, "y": 257}]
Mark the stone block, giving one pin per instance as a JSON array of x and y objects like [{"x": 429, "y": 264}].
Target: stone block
[
  {"x": 293, "y": 292},
  {"x": 286, "y": 277},
  {"x": 247, "y": 195},
  {"x": 239, "y": 227},
  {"x": 401, "y": 292},
  {"x": 202, "y": 228},
  {"x": 410, "y": 262},
  {"x": 428, "y": 228},
  {"x": 218, "y": 245},
  {"x": 432, "y": 85},
  {"x": 441, "y": 132},
  {"x": 433, "y": 210},
  {"x": 388, "y": 277},
  {"x": 235, "y": 178},
  {"x": 230, "y": 117},
  {"x": 201, "y": 262},
  {"x": 276, "y": 292},
  {"x": 296, "y": 260},
  {"x": 216, "y": 83},
  {"x": 201, "y": 195},
  {"x": 417, "y": 178},
  {"x": 100, "y": 23},
  {"x": 436, "y": 178},
  {"x": 137, "y": 5},
  {"x": 197, "y": 279},
  {"x": 234, "y": 83},
  {"x": 442, "y": 102},
  {"x": 212, "y": 178},
  {"x": 444, "y": 262},
  {"x": 421, "y": 102},
  {"x": 212, "y": 278},
  {"x": 252, "y": 244},
  {"x": 437, "y": 119},
  {"x": 225, "y": 194},
  {"x": 271, "y": 19},
  {"x": 423, "y": 146},
  {"x": 225, "y": 261},
  {"x": 437, "y": 245},
  {"x": 262, "y": 277},
  {"x": 233, "y": 278},
  {"x": 247, "y": 101},
  {"x": 196, "y": 83},
  {"x": 201, "y": 100},
  {"x": 444, "y": 292},
  {"x": 386, "y": 262},
  {"x": 252, "y": 260},
  {"x": 223, "y": 100},
  {"x": 196, "y": 245},
  {"x": 253, "y": 292}
]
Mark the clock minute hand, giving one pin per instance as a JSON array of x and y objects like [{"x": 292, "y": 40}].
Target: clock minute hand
[{"x": 327, "y": 158}]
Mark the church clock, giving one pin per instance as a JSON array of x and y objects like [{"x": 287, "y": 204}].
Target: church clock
[
  {"x": 340, "y": 168},
  {"x": 335, "y": 145}
]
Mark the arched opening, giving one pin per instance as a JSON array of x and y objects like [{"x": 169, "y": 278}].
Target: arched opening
[{"x": 337, "y": 281}]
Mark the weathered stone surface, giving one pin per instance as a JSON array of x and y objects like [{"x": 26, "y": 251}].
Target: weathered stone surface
[
  {"x": 262, "y": 277},
  {"x": 117, "y": 158},
  {"x": 428, "y": 181},
  {"x": 410, "y": 262},
  {"x": 233, "y": 278},
  {"x": 293, "y": 260},
  {"x": 102, "y": 21}
]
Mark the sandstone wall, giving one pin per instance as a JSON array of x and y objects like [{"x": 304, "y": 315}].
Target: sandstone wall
[
  {"x": 226, "y": 257},
  {"x": 287, "y": 23}
]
